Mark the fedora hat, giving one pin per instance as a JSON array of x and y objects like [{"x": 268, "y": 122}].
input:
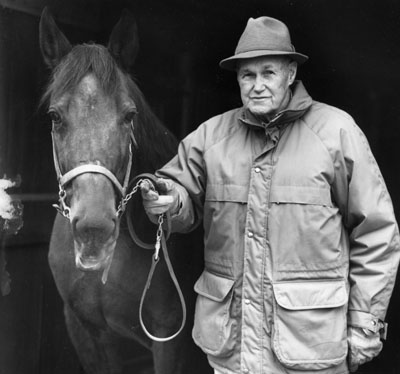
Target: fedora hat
[{"x": 263, "y": 36}]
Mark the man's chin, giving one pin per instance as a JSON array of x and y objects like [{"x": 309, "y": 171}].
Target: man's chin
[{"x": 261, "y": 114}]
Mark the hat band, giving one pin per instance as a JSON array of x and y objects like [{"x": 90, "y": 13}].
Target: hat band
[{"x": 262, "y": 48}]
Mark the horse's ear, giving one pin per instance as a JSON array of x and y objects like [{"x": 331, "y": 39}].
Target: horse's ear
[
  {"x": 124, "y": 40},
  {"x": 53, "y": 43}
]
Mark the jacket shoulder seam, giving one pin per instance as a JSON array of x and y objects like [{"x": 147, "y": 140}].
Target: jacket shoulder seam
[{"x": 233, "y": 128}]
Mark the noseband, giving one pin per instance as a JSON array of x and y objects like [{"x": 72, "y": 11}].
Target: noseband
[{"x": 62, "y": 206}]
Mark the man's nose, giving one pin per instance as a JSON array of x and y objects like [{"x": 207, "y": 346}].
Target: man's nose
[{"x": 259, "y": 84}]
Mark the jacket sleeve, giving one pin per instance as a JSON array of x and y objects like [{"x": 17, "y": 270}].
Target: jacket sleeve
[
  {"x": 187, "y": 169},
  {"x": 368, "y": 215}
]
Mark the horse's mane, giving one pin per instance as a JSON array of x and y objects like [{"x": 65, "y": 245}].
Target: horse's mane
[{"x": 156, "y": 144}]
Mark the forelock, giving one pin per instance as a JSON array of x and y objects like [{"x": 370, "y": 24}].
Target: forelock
[{"x": 82, "y": 60}]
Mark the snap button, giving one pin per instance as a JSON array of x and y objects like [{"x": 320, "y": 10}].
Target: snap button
[
  {"x": 250, "y": 234},
  {"x": 257, "y": 170},
  {"x": 247, "y": 301}
]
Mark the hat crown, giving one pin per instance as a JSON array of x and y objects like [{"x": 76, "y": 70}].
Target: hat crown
[
  {"x": 265, "y": 33},
  {"x": 263, "y": 36}
]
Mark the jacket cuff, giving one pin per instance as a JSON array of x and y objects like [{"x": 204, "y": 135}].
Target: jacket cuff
[
  {"x": 182, "y": 220},
  {"x": 367, "y": 321}
]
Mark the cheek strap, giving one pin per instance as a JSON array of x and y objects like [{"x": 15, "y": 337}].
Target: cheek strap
[{"x": 91, "y": 168}]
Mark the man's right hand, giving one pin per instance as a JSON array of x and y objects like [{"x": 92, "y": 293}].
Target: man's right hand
[{"x": 154, "y": 203}]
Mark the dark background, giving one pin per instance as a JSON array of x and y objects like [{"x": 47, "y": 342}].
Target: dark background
[{"x": 354, "y": 50}]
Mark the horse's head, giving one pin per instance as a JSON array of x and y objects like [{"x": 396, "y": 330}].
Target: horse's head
[{"x": 91, "y": 102}]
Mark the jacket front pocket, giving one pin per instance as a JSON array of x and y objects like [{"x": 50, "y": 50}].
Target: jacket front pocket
[
  {"x": 313, "y": 238},
  {"x": 213, "y": 325},
  {"x": 310, "y": 326},
  {"x": 224, "y": 220}
]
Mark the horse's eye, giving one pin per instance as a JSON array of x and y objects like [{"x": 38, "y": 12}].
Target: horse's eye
[
  {"x": 55, "y": 117},
  {"x": 130, "y": 116}
]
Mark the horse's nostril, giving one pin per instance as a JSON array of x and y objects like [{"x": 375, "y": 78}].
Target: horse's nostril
[{"x": 89, "y": 230}]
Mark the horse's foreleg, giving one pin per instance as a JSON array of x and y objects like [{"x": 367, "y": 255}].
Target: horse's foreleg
[
  {"x": 96, "y": 348},
  {"x": 168, "y": 358},
  {"x": 179, "y": 356}
]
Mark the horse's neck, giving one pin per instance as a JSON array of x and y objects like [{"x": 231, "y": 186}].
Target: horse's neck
[{"x": 156, "y": 144}]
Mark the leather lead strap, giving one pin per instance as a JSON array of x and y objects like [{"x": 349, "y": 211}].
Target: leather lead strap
[
  {"x": 154, "y": 263},
  {"x": 178, "y": 289}
]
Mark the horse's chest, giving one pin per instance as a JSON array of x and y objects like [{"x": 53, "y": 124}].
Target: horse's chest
[{"x": 85, "y": 299}]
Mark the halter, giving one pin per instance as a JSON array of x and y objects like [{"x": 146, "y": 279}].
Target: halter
[
  {"x": 63, "y": 180},
  {"x": 160, "y": 243}
]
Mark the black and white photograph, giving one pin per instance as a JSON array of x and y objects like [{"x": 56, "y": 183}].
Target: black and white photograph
[{"x": 199, "y": 187}]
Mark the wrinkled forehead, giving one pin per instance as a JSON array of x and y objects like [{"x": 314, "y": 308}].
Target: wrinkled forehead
[{"x": 263, "y": 62}]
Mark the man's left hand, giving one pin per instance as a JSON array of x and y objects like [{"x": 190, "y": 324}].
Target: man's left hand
[{"x": 364, "y": 345}]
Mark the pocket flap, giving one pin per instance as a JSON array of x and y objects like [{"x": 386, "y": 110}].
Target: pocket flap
[
  {"x": 311, "y": 294},
  {"x": 301, "y": 195},
  {"x": 227, "y": 192},
  {"x": 213, "y": 286}
]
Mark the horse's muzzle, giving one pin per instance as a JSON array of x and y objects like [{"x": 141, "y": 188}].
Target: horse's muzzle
[
  {"x": 93, "y": 263},
  {"x": 94, "y": 242}
]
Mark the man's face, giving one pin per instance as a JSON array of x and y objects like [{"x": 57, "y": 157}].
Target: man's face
[{"x": 264, "y": 84}]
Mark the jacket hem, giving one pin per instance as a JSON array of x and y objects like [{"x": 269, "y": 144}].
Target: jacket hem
[{"x": 221, "y": 369}]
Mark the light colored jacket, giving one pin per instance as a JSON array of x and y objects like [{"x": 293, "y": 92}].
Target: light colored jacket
[{"x": 300, "y": 237}]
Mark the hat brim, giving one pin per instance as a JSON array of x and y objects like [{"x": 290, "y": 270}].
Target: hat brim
[{"x": 230, "y": 63}]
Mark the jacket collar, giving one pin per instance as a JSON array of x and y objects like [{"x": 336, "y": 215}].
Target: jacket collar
[{"x": 298, "y": 105}]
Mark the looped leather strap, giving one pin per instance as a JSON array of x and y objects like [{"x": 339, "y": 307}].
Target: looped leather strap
[
  {"x": 155, "y": 260},
  {"x": 178, "y": 289}
]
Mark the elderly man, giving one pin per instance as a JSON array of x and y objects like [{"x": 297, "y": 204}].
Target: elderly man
[{"x": 301, "y": 242}]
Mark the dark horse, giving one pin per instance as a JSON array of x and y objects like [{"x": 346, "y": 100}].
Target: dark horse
[{"x": 96, "y": 110}]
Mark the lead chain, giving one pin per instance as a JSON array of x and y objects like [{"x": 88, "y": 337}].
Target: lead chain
[
  {"x": 125, "y": 200},
  {"x": 159, "y": 235}
]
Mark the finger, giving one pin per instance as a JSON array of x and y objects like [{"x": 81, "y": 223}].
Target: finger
[
  {"x": 163, "y": 185},
  {"x": 353, "y": 368},
  {"x": 353, "y": 359},
  {"x": 147, "y": 191},
  {"x": 162, "y": 200},
  {"x": 150, "y": 195},
  {"x": 159, "y": 206},
  {"x": 146, "y": 186},
  {"x": 157, "y": 210}
]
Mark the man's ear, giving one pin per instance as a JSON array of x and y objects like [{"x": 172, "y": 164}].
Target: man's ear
[{"x": 292, "y": 71}]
